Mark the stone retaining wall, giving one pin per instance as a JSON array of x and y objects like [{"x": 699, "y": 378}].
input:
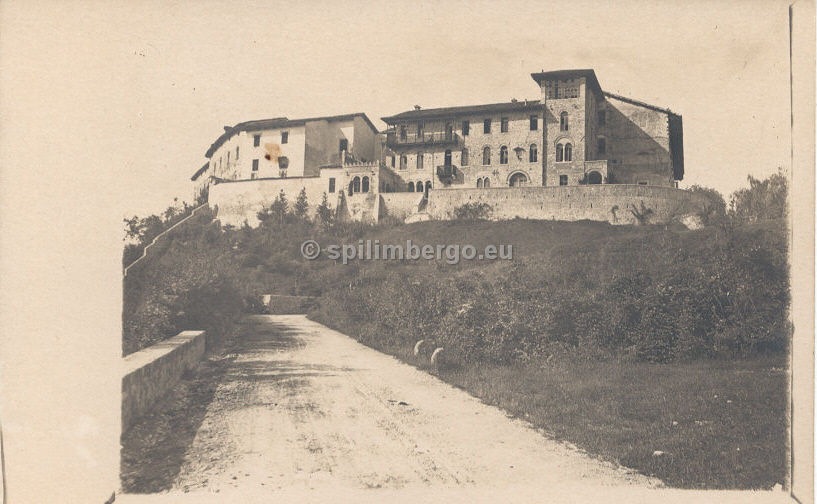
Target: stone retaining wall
[
  {"x": 151, "y": 372},
  {"x": 614, "y": 203},
  {"x": 400, "y": 204}
]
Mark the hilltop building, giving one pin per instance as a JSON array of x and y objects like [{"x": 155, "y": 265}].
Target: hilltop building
[{"x": 575, "y": 134}]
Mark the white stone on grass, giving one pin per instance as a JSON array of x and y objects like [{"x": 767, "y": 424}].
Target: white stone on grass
[{"x": 436, "y": 355}]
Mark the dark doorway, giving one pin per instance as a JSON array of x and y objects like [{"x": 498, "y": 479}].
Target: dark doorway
[{"x": 594, "y": 177}]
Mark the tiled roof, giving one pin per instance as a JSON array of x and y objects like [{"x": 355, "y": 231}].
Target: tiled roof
[
  {"x": 461, "y": 111},
  {"x": 200, "y": 171},
  {"x": 638, "y": 103},
  {"x": 278, "y": 122},
  {"x": 587, "y": 73}
]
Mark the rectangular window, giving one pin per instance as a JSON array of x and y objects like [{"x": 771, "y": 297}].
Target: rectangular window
[
  {"x": 602, "y": 145},
  {"x": 331, "y": 184},
  {"x": 256, "y": 140},
  {"x": 236, "y": 152},
  {"x": 392, "y": 161},
  {"x": 562, "y": 179},
  {"x": 486, "y": 126},
  {"x": 419, "y": 160},
  {"x": 466, "y": 127},
  {"x": 602, "y": 118},
  {"x": 254, "y": 165},
  {"x": 284, "y": 137},
  {"x": 534, "y": 123},
  {"x": 503, "y": 125}
]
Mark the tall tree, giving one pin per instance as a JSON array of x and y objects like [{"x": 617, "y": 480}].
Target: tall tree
[{"x": 301, "y": 205}]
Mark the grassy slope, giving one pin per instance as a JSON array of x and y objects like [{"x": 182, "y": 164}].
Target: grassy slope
[{"x": 730, "y": 426}]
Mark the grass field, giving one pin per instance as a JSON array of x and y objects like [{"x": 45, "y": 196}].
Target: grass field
[{"x": 718, "y": 424}]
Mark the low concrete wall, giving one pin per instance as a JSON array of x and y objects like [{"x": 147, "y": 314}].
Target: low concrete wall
[
  {"x": 614, "y": 203},
  {"x": 150, "y": 373}
]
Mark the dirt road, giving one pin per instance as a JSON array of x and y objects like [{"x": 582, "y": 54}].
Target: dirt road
[{"x": 305, "y": 407}]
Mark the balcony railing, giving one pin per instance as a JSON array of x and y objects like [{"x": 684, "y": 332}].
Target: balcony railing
[
  {"x": 394, "y": 139},
  {"x": 450, "y": 174}
]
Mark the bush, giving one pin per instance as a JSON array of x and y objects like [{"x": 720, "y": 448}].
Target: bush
[
  {"x": 473, "y": 211},
  {"x": 655, "y": 296}
]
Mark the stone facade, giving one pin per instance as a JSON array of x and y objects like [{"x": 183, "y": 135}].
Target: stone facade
[{"x": 459, "y": 141}]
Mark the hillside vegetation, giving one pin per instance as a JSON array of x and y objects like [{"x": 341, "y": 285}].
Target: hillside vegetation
[{"x": 657, "y": 338}]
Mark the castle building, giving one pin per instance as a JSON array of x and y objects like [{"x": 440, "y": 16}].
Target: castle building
[
  {"x": 282, "y": 148},
  {"x": 575, "y": 134}
]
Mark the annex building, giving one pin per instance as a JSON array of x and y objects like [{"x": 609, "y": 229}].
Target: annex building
[{"x": 576, "y": 141}]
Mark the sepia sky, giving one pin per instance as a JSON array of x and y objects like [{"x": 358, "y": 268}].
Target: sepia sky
[{"x": 133, "y": 93}]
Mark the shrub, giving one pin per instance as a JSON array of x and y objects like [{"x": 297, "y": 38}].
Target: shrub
[
  {"x": 712, "y": 208},
  {"x": 473, "y": 211}
]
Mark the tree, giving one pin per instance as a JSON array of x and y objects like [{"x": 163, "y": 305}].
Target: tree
[
  {"x": 324, "y": 213},
  {"x": 713, "y": 207},
  {"x": 277, "y": 213},
  {"x": 762, "y": 200},
  {"x": 301, "y": 205}
]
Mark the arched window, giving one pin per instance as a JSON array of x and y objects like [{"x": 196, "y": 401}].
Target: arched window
[
  {"x": 365, "y": 184},
  {"x": 487, "y": 182},
  {"x": 533, "y": 153},
  {"x": 419, "y": 160},
  {"x": 403, "y": 162},
  {"x": 355, "y": 185},
  {"x": 411, "y": 187},
  {"x": 503, "y": 155},
  {"x": 568, "y": 152},
  {"x": 486, "y": 156},
  {"x": 563, "y": 124},
  {"x": 560, "y": 153},
  {"x": 479, "y": 183},
  {"x": 464, "y": 157},
  {"x": 419, "y": 186}
]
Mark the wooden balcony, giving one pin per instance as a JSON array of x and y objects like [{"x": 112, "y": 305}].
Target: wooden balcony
[{"x": 430, "y": 139}]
